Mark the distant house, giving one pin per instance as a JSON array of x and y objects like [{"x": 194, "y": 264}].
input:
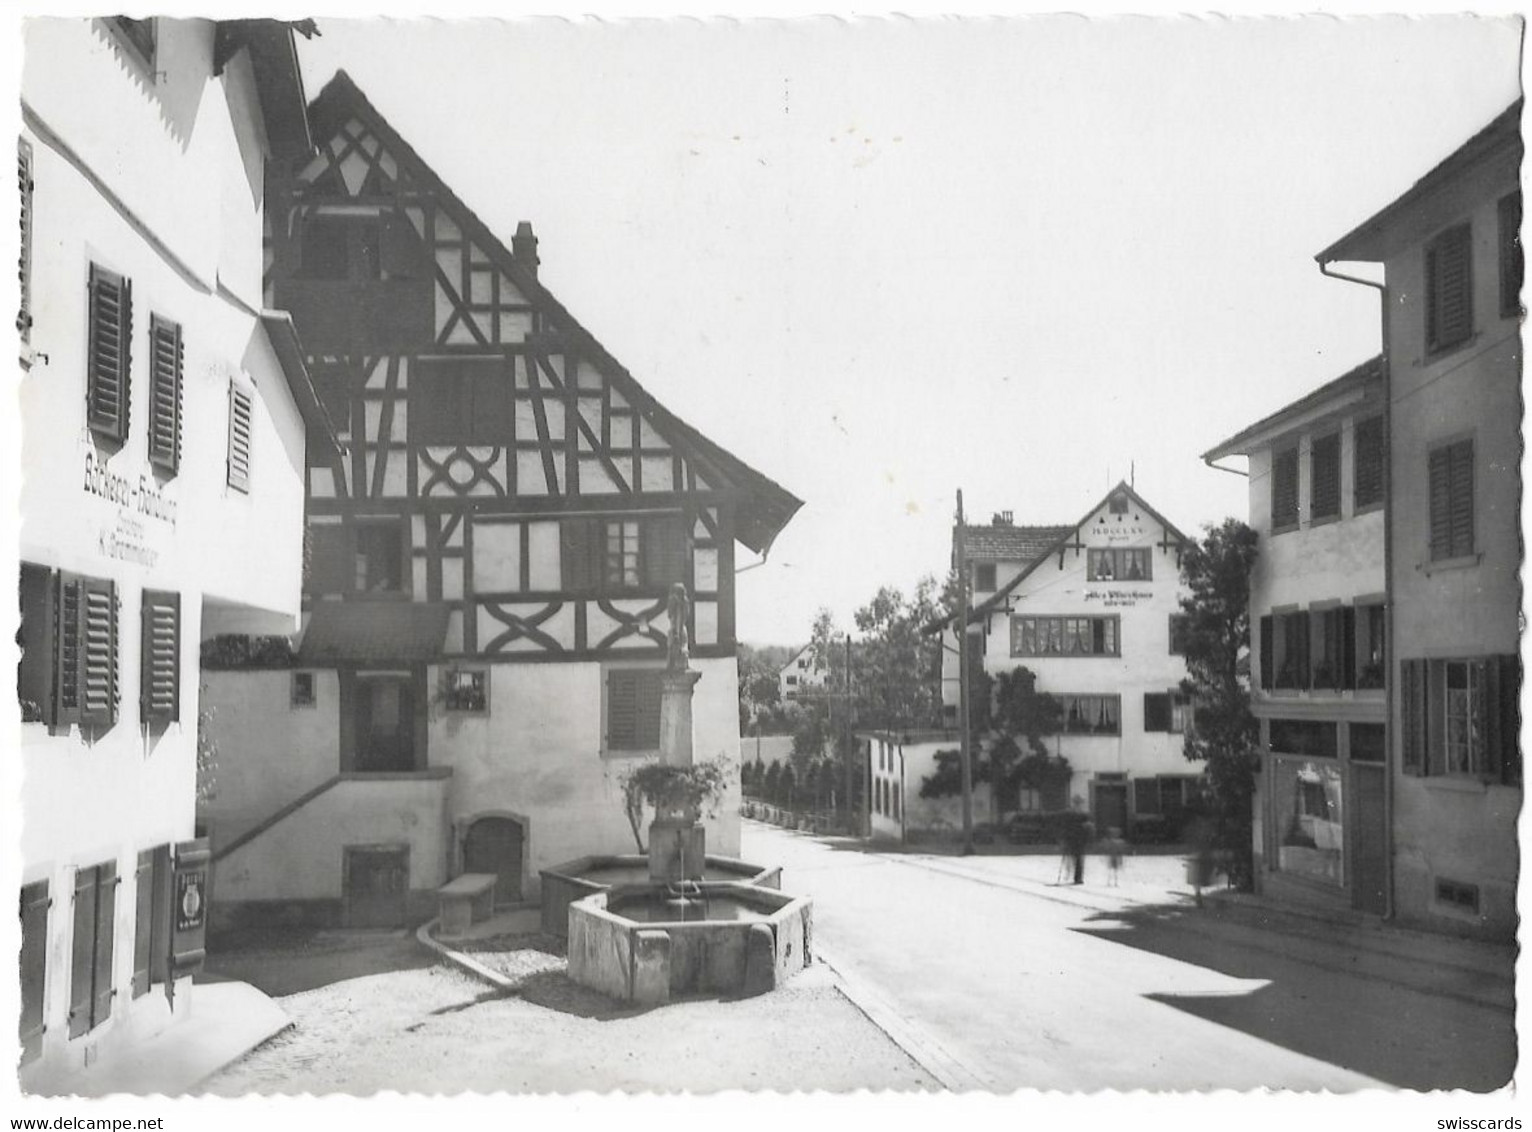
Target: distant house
[
  {"x": 1319, "y": 642},
  {"x": 489, "y": 561},
  {"x": 165, "y": 419},
  {"x": 1091, "y": 608},
  {"x": 1453, "y": 265},
  {"x": 802, "y": 676}
]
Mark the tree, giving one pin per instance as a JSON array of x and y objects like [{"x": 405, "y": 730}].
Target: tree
[
  {"x": 1216, "y": 633},
  {"x": 897, "y": 667}
]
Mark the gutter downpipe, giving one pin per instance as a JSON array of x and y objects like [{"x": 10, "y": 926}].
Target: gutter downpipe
[{"x": 1389, "y": 640}]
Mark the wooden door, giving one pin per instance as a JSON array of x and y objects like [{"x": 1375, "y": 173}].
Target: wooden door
[
  {"x": 385, "y": 724},
  {"x": 1111, "y": 809},
  {"x": 375, "y": 886},
  {"x": 1369, "y": 844},
  {"x": 494, "y": 845}
]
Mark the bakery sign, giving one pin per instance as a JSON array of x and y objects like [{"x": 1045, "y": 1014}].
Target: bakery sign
[{"x": 142, "y": 509}]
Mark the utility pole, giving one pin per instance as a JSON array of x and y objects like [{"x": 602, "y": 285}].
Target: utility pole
[
  {"x": 966, "y": 756},
  {"x": 848, "y": 744}
]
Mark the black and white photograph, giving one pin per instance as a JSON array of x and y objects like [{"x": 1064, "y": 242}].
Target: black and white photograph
[{"x": 940, "y": 565}]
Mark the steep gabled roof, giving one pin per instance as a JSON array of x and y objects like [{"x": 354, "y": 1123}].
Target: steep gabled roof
[
  {"x": 765, "y": 506},
  {"x": 1058, "y": 545},
  {"x": 1364, "y": 241},
  {"x": 1346, "y": 389}
]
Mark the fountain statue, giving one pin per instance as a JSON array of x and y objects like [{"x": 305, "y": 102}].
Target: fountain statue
[{"x": 677, "y": 841}]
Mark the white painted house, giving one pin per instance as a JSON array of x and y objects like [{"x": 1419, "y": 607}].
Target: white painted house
[
  {"x": 166, "y": 421},
  {"x": 489, "y": 564},
  {"x": 1093, "y": 615},
  {"x": 802, "y": 676}
]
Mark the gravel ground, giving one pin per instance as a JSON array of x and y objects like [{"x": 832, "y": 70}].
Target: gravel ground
[{"x": 435, "y": 1030}]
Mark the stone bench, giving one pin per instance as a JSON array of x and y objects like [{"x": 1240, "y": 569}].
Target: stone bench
[{"x": 466, "y": 900}]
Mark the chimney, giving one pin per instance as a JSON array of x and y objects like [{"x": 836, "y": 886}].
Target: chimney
[
  {"x": 1001, "y": 519},
  {"x": 524, "y": 247}
]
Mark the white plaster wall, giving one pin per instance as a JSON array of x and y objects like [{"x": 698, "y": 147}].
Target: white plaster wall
[{"x": 919, "y": 763}]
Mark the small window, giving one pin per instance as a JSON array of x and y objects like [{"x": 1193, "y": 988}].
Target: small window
[
  {"x": 165, "y": 364},
  {"x": 160, "y": 671},
  {"x": 303, "y": 695},
  {"x": 35, "y": 903},
  {"x": 1457, "y": 894},
  {"x": 108, "y": 356},
  {"x": 1450, "y": 469},
  {"x": 984, "y": 577},
  {"x": 1324, "y": 477},
  {"x": 24, "y": 184},
  {"x": 1368, "y": 473},
  {"x": 1449, "y": 290},
  {"x": 241, "y": 413},
  {"x": 614, "y": 555},
  {"x": 1180, "y": 627},
  {"x": 1460, "y": 717},
  {"x": 1118, "y": 504},
  {"x": 1512, "y": 265},
  {"x": 467, "y": 689},
  {"x": 621, "y": 564},
  {"x": 1091, "y": 715},
  {"x": 633, "y": 710},
  {"x": 1119, "y": 564},
  {"x": 380, "y": 556},
  {"x": 1284, "y": 489}
]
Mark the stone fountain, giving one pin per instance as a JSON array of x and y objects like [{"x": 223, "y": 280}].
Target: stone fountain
[{"x": 682, "y": 933}]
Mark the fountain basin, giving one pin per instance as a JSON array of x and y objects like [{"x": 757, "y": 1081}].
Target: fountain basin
[
  {"x": 622, "y": 943},
  {"x": 574, "y": 880}
]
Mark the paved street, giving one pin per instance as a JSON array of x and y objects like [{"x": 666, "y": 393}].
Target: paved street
[{"x": 1004, "y": 980}]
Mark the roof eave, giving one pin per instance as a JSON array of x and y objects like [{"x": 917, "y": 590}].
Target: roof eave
[{"x": 283, "y": 337}]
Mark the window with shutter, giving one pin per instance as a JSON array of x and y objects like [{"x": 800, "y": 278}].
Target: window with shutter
[
  {"x": 1449, "y": 290},
  {"x": 663, "y": 543},
  {"x": 580, "y": 552},
  {"x": 34, "y": 966},
  {"x": 1324, "y": 477},
  {"x": 98, "y": 688},
  {"x": 1451, "y": 472},
  {"x": 1368, "y": 471},
  {"x": 24, "y": 263},
  {"x": 1284, "y": 489},
  {"x": 108, "y": 354},
  {"x": 165, "y": 362},
  {"x": 1512, "y": 265},
  {"x": 633, "y": 709},
  {"x": 34, "y": 674},
  {"x": 90, "y": 975},
  {"x": 160, "y": 679},
  {"x": 241, "y": 412},
  {"x": 1156, "y": 711}
]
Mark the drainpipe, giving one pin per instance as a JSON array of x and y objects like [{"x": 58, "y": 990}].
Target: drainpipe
[{"x": 1389, "y": 680}]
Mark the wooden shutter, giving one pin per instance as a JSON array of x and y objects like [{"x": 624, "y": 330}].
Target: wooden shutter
[
  {"x": 160, "y": 674},
  {"x": 622, "y": 710},
  {"x": 1367, "y": 474},
  {"x": 240, "y": 422},
  {"x": 1268, "y": 652},
  {"x": 1449, "y": 293},
  {"x": 330, "y": 567},
  {"x": 82, "y": 951},
  {"x": 66, "y": 655},
  {"x": 491, "y": 401},
  {"x": 647, "y": 721},
  {"x": 165, "y": 364},
  {"x": 24, "y": 263},
  {"x": 580, "y": 554},
  {"x": 108, "y": 355},
  {"x": 98, "y": 690},
  {"x": 1284, "y": 488},
  {"x": 1347, "y": 618},
  {"x": 1511, "y": 262},
  {"x": 35, "y": 674},
  {"x": 1324, "y": 482},
  {"x": 1505, "y": 710},
  {"x": 1156, "y": 711},
  {"x": 143, "y": 920},
  {"x": 34, "y": 966},
  {"x": 662, "y": 543},
  {"x": 439, "y": 403},
  {"x": 1450, "y": 469},
  {"x": 1414, "y": 676},
  {"x": 106, "y": 931}
]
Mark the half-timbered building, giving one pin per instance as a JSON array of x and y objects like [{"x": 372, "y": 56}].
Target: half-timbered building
[{"x": 488, "y": 561}]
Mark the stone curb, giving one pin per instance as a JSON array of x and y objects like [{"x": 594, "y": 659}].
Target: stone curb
[{"x": 459, "y": 959}]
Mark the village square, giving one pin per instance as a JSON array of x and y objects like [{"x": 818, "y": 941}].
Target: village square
[{"x": 486, "y": 627}]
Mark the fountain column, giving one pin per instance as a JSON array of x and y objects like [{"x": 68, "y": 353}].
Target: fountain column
[{"x": 677, "y": 841}]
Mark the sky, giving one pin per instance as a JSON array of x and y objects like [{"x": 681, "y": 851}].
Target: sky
[{"x": 883, "y": 260}]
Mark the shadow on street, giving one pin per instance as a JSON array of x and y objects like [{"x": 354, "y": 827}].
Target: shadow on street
[{"x": 1340, "y": 1009}]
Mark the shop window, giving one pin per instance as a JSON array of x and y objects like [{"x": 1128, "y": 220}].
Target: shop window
[
  {"x": 1119, "y": 564},
  {"x": 1324, "y": 477},
  {"x": 1367, "y": 474},
  {"x": 1512, "y": 265},
  {"x": 466, "y": 689},
  {"x": 108, "y": 355},
  {"x": 1091, "y": 715},
  {"x": 90, "y": 974},
  {"x": 1460, "y": 718},
  {"x": 1451, "y": 474},
  {"x": 1064, "y": 636},
  {"x": 1449, "y": 290},
  {"x": 1284, "y": 489},
  {"x": 1308, "y": 811},
  {"x": 241, "y": 428},
  {"x": 633, "y": 710},
  {"x": 303, "y": 692},
  {"x": 160, "y": 657},
  {"x": 35, "y": 903},
  {"x": 166, "y": 355}
]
